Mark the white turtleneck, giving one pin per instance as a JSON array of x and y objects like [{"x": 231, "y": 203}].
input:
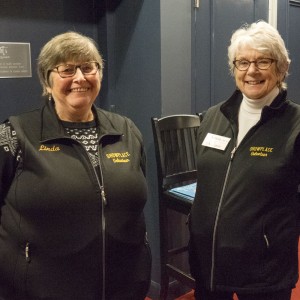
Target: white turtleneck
[{"x": 250, "y": 112}]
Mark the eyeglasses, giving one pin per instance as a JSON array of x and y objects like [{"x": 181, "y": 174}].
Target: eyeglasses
[
  {"x": 68, "y": 70},
  {"x": 261, "y": 63}
]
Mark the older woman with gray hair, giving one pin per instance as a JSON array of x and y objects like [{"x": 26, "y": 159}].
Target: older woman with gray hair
[
  {"x": 72, "y": 189},
  {"x": 244, "y": 219}
]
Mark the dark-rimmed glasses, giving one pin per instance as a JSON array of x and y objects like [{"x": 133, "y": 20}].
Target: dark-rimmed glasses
[
  {"x": 261, "y": 63},
  {"x": 69, "y": 70}
]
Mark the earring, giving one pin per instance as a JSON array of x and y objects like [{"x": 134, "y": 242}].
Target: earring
[
  {"x": 50, "y": 97},
  {"x": 279, "y": 84}
]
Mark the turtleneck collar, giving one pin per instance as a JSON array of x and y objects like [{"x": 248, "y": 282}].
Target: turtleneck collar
[{"x": 256, "y": 105}]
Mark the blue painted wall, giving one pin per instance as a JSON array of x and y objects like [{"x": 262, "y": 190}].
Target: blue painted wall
[{"x": 35, "y": 22}]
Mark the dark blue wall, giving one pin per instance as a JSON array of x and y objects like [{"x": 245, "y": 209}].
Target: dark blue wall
[
  {"x": 293, "y": 45},
  {"x": 215, "y": 22},
  {"x": 35, "y": 22}
]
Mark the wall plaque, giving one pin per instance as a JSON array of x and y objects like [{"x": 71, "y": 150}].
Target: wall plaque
[{"x": 15, "y": 60}]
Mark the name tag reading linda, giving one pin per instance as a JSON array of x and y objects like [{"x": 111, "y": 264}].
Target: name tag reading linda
[{"x": 216, "y": 141}]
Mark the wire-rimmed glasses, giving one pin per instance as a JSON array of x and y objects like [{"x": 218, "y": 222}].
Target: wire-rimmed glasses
[
  {"x": 69, "y": 70},
  {"x": 261, "y": 63}
]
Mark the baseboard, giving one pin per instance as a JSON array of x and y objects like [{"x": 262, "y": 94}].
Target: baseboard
[
  {"x": 154, "y": 290},
  {"x": 174, "y": 288}
]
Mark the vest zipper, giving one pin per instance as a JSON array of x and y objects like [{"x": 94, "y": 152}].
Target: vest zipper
[
  {"x": 212, "y": 271},
  {"x": 103, "y": 224},
  {"x": 267, "y": 241}
]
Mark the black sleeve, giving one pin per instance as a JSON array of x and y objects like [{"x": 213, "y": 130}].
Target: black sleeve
[{"x": 297, "y": 165}]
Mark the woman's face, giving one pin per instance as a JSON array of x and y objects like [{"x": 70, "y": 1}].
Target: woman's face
[
  {"x": 74, "y": 96},
  {"x": 255, "y": 83}
]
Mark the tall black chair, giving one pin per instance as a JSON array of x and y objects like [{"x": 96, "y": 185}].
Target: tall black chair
[{"x": 175, "y": 142}]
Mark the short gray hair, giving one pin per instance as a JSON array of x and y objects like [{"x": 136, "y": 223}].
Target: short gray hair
[
  {"x": 63, "y": 47},
  {"x": 264, "y": 38}
]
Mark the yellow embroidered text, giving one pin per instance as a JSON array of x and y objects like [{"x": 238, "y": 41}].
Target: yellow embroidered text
[
  {"x": 50, "y": 149},
  {"x": 119, "y": 157},
  {"x": 260, "y": 151}
]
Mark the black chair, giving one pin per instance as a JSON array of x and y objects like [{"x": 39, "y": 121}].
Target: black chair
[{"x": 175, "y": 142}]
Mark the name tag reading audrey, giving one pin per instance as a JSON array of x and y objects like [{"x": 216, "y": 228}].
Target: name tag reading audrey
[{"x": 216, "y": 141}]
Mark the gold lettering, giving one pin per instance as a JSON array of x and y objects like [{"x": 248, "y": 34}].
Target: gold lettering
[
  {"x": 118, "y": 160},
  {"x": 254, "y": 150},
  {"x": 253, "y": 153},
  {"x": 49, "y": 149},
  {"x": 117, "y": 155}
]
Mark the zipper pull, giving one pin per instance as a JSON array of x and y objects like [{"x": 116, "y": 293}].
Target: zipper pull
[
  {"x": 27, "y": 254},
  {"x": 103, "y": 196},
  {"x": 232, "y": 153}
]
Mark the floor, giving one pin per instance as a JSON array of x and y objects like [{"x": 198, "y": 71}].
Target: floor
[{"x": 295, "y": 293}]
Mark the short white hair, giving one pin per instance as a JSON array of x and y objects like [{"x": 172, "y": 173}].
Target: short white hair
[{"x": 263, "y": 37}]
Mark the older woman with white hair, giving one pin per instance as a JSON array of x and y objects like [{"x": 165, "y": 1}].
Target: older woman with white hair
[{"x": 243, "y": 223}]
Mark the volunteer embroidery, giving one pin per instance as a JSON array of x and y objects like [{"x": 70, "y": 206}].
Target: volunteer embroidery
[
  {"x": 260, "y": 151},
  {"x": 119, "y": 157}
]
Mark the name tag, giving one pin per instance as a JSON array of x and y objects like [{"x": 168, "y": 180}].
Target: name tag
[{"x": 216, "y": 141}]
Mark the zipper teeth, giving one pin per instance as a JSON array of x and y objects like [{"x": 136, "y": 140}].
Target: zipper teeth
[
  {"x": 103, "y": 242},
  {"x": 267, "y": 241},
  {"x": 217, "y": 219},
  {"x": 103, "y": 224}
]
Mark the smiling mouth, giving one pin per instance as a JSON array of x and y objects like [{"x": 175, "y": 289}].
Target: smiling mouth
[
  {"x": 254, "y": 82},
  {"x": 79, "y": 90}
]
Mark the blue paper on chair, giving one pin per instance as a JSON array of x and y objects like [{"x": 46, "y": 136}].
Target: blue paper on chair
[{"x": 187, "y": 191}]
